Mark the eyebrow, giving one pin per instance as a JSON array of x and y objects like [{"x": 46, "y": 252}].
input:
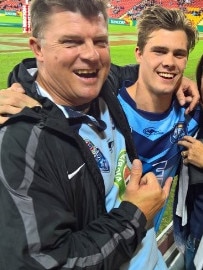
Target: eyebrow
[
  {"x": 75, "y": 36},
  {"x": 71, "y": 36},
  {"x": 182, "y": 51}
]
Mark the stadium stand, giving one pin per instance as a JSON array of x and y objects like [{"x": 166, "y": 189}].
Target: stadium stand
[
  {"x": 119, "y": 8},
  {"x": 12, "y": 5},
  {"x": 122, "y": 9}
]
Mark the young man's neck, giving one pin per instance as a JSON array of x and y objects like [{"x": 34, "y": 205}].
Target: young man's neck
[{"x": 149, "y": 102}]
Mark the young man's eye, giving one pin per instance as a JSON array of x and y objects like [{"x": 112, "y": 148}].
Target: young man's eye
[
  {"x": 180, "y": 55},
  {"x": 159, "y": 52}
]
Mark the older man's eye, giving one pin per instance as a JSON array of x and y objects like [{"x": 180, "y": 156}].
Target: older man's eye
[
  {"x": 101, "y": 43},
  {"x": 71, "y": 42}
]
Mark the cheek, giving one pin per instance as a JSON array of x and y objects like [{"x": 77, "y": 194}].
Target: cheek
[
  {"x": 182, "y": 64},
  {"x": 56, "y": 58},
  {"x": 105, "y": 56},
  {"x": 151, "y": 61}
]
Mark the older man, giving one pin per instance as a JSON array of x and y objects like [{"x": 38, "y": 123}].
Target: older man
[{"x": 59, "y": 161}]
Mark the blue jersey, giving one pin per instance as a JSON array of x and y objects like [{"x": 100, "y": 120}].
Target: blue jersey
[{"x": 156, "y": 136}]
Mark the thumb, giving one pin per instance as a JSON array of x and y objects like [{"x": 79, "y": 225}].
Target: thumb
[
  {"x": 167, "y": 186},
  {"x": 136, "y": 171}
]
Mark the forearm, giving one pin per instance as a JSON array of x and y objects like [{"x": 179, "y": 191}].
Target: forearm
[
  {"x": 37, "y": 241},
  {"x": 52, "y": 223}
]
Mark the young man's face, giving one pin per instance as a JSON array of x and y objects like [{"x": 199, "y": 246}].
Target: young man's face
[
  {"x": 73, "y": 57},
  {"x": 162, "y": 61}
]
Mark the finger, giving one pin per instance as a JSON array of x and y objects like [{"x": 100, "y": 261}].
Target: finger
[
  {"x": 193, "y": 104},
  {"x": 189, "y": 139},
  {"x": 148, "y": 179},
  {"x": 136, "y": 171},
  {"x": 167, "y": 186},
  {"x": 188, "y": 91},
  {"x": 184, "y": 154},
  {"x": 188, "y": 99},
  {"x": 143, "y": 181},
  {"x": 7, "y": 109},
  {"x": 17, "y": 88},
  {"x": 185, "y": 161},
  {"x": 3, "y": 119},
  {"x": 18, "y": 100},
  {"x": 29, "y": 102},
  {"x": 183, "y": 143},
  {"x": 181, "y": 97}
]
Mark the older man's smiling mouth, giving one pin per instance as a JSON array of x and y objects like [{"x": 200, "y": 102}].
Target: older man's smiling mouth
[{"x": 86, "y": 73}]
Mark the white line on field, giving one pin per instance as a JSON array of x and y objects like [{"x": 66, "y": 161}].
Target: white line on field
[{"x": 15, "y": 52}]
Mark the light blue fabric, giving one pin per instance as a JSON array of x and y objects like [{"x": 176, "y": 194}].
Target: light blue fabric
[
  {"x": 198, "y": 261},
  {"x": 147, "y": 255}
]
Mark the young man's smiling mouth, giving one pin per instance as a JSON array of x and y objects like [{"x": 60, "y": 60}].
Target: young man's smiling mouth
[{"x": 166, "y": 75}]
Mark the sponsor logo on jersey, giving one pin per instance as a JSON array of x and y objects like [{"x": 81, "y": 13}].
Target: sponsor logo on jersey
[
  {"x": 151, "y": 131},
  {"x": 122, "y": 174}
]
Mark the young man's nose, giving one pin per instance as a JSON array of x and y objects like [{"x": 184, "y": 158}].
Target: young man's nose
[{"x": 168, "y": 60}]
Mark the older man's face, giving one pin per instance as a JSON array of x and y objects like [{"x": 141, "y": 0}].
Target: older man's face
[{"x": 73, "y": 57}]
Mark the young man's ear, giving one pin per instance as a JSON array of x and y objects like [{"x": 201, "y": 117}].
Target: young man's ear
[
  {"x": 35, "y": 46},
  {"x": 138, "y": 54}
]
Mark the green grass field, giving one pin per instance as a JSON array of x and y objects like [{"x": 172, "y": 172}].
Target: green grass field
[{"x": 121, "y": 55}]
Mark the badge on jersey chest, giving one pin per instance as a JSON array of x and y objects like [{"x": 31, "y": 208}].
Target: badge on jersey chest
[{"x": 180, "y": 131}]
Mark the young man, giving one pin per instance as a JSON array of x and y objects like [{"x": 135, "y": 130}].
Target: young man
[
  {"x": 58, "y": 162},
  {"x": 165, "y": 38}
]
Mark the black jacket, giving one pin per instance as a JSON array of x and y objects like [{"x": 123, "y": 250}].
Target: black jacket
[{"x": 51, "y": 221}]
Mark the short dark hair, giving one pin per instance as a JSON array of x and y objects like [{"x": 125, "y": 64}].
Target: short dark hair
[{"x": 41, "y": 9}]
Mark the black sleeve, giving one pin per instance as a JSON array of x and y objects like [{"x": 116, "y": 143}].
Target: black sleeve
[
  {"x": 119, "y": 74},
  {"x": 37, "y": 221}
]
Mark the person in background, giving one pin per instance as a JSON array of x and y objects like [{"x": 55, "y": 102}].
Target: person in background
[
  {"x": 59, "y": 160},
  {"x": 157, "y": 120},
  {"x": 192, "y": 173}
]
